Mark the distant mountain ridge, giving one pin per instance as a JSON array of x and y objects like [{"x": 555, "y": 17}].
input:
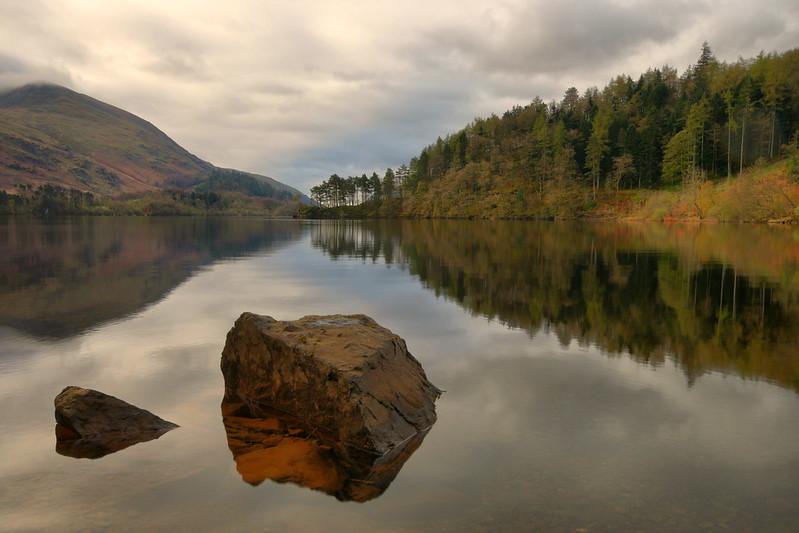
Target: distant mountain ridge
[{"x": 53, "y": 135}]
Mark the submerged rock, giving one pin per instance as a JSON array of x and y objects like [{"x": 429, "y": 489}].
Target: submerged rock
[
  {"x": 341, "y": 378},
  {"x": 90, "y": 424},
  {"x": 276, "y": 449}
]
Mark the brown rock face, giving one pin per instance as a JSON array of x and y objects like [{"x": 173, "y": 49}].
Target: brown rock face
[
  {"x": 90, "y": 424},
  {"x": 341, "y": 378}
]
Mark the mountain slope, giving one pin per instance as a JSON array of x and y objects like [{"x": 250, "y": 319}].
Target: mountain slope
[{"x": 52, "y": 135}]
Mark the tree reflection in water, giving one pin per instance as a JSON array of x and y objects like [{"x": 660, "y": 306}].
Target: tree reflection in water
[{"x": 713, "y": 298}]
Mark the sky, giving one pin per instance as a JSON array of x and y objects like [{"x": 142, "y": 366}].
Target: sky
[{"x": 298, "y": 90}]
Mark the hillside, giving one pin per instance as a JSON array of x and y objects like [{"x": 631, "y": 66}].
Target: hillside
[
  {"x": 51, "y": 135},
  {"x": 662, "y": 131},
  {"x": 664, "y": 145}
]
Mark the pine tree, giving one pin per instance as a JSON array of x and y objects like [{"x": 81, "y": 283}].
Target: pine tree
[
  {"x": 597, "y": 148},
  {"x": 376, "y": 186},
  {"x": 388, "y": 184}
]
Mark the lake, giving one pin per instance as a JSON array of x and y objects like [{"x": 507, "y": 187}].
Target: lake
[{"x": 598, "y": 376}]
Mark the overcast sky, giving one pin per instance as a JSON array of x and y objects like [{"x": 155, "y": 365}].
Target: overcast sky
[{"x": 298, "y": 90}]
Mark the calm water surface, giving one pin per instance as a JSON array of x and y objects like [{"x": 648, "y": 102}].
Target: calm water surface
[{"x": 599, "y": 377}]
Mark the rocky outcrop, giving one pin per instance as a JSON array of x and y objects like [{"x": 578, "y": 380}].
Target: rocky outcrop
[
  {"x": 343, "y": 379},
  {"x": 276, "y": 449},
  {"x": 90, "y": 424}
]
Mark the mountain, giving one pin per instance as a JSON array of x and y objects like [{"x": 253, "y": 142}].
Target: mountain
[{"x": 52, "y": 135}]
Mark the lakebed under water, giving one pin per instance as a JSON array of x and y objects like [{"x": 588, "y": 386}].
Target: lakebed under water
[{"x": 604, "y": 377}]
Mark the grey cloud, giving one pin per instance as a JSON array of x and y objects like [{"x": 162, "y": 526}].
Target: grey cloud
[
  {"x": 554, "y": 37},
  {"x": 32, "y": 25},
  {"x": 354, "y": 75},
  {"x": 14, "y": 72},
  {"x": 412, "y": 117},
  {"x": 10, "y": 65},
  {"x": 741, "y": 32},
  {"x": 277, "y": 88},
  {"x": 175, "y": 50},
  {"x": 166, "y": 34},
  {"x": 179, "y": 65}
]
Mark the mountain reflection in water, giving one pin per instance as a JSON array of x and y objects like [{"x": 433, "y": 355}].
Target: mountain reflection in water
[
  {"x": 61, "y": 278},
  {"x": 713, "y": 298}
]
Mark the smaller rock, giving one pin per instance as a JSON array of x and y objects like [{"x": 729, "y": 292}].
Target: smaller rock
[{"x": 90, "y": 424}]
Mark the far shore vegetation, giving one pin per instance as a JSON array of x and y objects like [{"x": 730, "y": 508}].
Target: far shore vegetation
[
  {"x": 53, "y": 200},
  {"x": 719, "y": 142}
]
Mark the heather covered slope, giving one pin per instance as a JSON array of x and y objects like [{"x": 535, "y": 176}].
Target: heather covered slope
[{"x": 53, "y": 135}]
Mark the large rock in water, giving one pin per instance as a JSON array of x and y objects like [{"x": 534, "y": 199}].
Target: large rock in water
[
  {"x": 339, "y": 376},
  {"x": 90, "y": 424}
]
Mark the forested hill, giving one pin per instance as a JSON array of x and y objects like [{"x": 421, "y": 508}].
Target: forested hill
[
  {"x": 53, "y": 136},
  {"x": 663, "y": 130}
]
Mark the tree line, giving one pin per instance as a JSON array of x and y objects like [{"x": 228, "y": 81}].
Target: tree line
[
  {"x": 47, "y": 199},
  {"x": 55, "y": 200},
  {"x": 337, "y": 191}
]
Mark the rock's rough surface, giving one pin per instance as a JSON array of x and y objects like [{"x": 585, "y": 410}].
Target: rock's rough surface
[
  {"x": 342, "y": 378},
  {"x": 91, "y": 424}
]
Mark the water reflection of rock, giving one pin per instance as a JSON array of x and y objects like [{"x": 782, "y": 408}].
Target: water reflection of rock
[
  {"x": 278, "y": 450},
  {"x": 96, "y": 447}
]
